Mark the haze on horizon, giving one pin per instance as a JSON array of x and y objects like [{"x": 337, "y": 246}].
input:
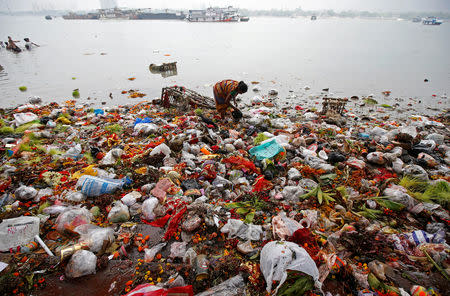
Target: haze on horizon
[{"x": 356, "y": 5}]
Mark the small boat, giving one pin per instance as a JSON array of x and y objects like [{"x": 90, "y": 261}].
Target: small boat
[
  {"x": 313, "y": 17},
  {"x": 431, "y": 20},
  {"x": 416, "y": 20},
  {"x": 244, "y": 19},
  {"x": 48, "y": 17}
]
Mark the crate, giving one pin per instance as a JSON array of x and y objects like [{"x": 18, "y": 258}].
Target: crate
[
  {"x": 183, "y": 98},
  {"x": 333, "y": 105}
]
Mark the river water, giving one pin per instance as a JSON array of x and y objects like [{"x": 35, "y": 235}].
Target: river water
[{"x": 348, "y": 56}]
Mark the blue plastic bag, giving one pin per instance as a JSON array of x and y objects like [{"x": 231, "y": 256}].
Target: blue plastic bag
[
  {"x": 95, "y": 186},
  {"x": 143, "y": 120},
  {"x": 266, "y": 150}
]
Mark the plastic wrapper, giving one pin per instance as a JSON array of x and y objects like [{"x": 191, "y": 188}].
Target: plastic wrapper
[
  {"x": 146, "y": 128},
  {"x": 191, "y": 223},
  {"x": 71, "y": 218},
  {"x": 415, "y": 171},
  {"x": 292, "y": 193},
  {"x": 148, "y": 207},
  {"x": 97, "y": 238},
  {"x": 277, "y": 257},
  {"x": 151, "y": 253},
  {"x": 234, "y": 286},
  {"x": 81, "y": 263},
  {"x": 294, "y": 174},
  {"x": 75, "y": 196},
  {"x": 119, "y": 213}
]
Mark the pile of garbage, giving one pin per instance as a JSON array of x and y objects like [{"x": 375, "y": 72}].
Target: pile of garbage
[{"x": 146, "y": 200}]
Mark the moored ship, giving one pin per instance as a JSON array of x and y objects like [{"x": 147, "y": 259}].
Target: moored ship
[
  {"x": 214, "y": 14},
  {"x": 149, "y": 15},
  {"x": 88, "y": 16}
]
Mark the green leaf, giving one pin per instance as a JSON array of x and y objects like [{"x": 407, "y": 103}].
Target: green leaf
[
  {"x": 312, "y": 192},
  {"x": 391, "y": 205},
  {"x": 319, "y": 196},
  {"x": 249, "y": 217},
  {"x": 242, "y": 211}
]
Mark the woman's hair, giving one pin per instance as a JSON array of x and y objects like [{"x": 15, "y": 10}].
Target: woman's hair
[
  {"x": 242, "y": 87},
  {"x": 26, "y": 39}
]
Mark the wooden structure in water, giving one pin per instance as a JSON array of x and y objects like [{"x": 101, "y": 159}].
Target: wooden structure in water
[
  {"x": 334, "y": 105},
  {"x": 183, "y": 98}
]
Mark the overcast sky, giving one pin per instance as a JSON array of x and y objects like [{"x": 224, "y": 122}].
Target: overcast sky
[{"x": 337, "y": 5}]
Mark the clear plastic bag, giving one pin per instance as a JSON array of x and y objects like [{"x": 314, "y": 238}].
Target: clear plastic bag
[
  {"x": 25, "y": 193},
  {"x": 73, "y": 217},
  {"x": 151, "y": 253},
  {"x": 97, "y": 238},
  {"x": 81, "y": 263},
  {"x": 177, "y": 250},
  {"x": 283, "y": 226},
  {"x": 237, "y": 228},
  {"x": 94, "y": 186},
  {"x": 119, "y": 213},
  {"x": 234, "y": 286}
]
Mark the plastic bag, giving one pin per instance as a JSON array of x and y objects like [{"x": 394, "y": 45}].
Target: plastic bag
[
  {"x": 75, "y": 196},
  {"x": 89, "y": 170},
  {"x": 152, "y": 290},
  {"x": 177, "y": 250},
  {"x": 283, "y": 226},
  {"x": 22, "y": 118},
  {"x": 97, "y": 238},
  {"x": 131, "y": 198},
  {"x": 191, "y": 223},
  {"x": 294, "y": 174},
  {"x": 161, "y": 148},
  {"x": 18, "y": 231},
  {"x": 94, "y": 186},
  {"x": 72, "y": 218},
  {"x": 151, "y": 253},
  {"x": 277, "y": 257},
  {"x": 146, "y": 128},
  {"x": 292, "y": 193},
  {"x": 118, "y": 213},
  {"x": 234, "y": 286},
  {"x": 112, "y": 156},
  {"x": 266, "y": 150},
  {"x": 147, "y": 208},
  {"x": 81, "y": 263},
  {"x": 25, "y": 193},
  {"x": 376, "y": 157},
  {"x": 237, "y": 228},
  {"x": 73, "y": 152}
]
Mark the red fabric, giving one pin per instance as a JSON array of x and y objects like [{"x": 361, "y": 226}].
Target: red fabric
[
  {"x": 174, "y": 223},
  {"x": 261, "y": 185},
  {"x": 161, "y": 222},
  {"x": 143, "y": 290},
  {"x": 241, "y": 163}
]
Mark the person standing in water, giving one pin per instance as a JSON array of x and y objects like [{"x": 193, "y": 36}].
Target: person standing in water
[
  {"x": 29, "y": 44},
  {"x": 12, "y": 45}
]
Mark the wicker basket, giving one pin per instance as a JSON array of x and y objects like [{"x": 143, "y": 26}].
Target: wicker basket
[
  {"x": 183, "y": 98},
  {"x": 333, "y": 105}
]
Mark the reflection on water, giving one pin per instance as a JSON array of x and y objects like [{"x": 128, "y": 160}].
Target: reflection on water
[
  {"x": 166, "y": 69},
  {"x": 3, "y": 74}
]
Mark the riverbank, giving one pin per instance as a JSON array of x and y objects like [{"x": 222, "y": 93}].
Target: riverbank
[{"x": 173, "y": 197}]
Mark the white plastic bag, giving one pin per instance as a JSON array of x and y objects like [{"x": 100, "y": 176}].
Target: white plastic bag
[
  {"x": 112, "y": 156},
  {"x": 18, "y": 231},
  {"x": 234, "y": 286},
  {"x": 147, "y": 208},
  {"x": 22, "y": 118},
  {"x": 25, "y": 193},
  {"x": 131, "y": 198},
  {"x": 161, "y": 148},
  {"x": 237, "y": 228},
  {"x": 146, "y": 128},
  {"x": 277, "y": 257},
  {"x": 81, "y": 263}
]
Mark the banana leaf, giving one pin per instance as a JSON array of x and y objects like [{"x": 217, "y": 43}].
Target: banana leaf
[
  {"x": 249, "y": 217},
  {"x": 389, "y": 204}
]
